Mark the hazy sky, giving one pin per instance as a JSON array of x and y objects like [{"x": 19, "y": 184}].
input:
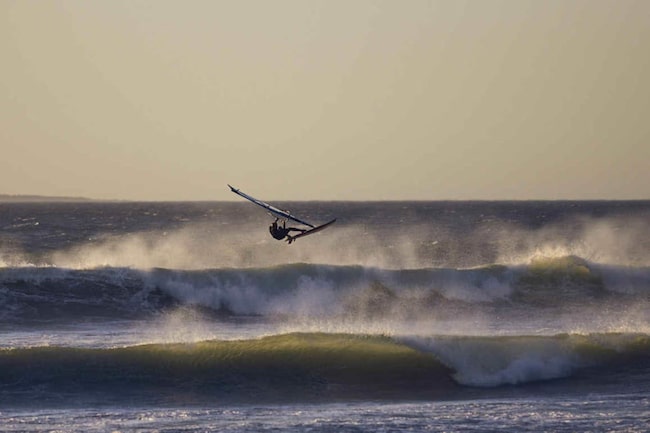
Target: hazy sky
[{"x": 335, "y": 99}]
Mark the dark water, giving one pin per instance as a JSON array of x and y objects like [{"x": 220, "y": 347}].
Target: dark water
[{"x": 527, "y": 316}]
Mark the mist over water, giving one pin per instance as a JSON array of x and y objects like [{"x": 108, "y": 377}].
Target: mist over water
[{"x": 386, "y": 235}]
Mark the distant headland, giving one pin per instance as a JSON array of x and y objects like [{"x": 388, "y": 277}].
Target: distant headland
[{"x": 19, "y": 198}]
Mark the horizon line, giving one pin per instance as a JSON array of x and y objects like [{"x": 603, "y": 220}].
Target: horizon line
[{"x": 8, "y": 198}]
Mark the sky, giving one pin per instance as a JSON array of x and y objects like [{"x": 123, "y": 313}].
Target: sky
[{"x": 325, "y": 100}]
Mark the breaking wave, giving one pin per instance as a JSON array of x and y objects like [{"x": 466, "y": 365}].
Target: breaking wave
[
  {"x": 322, "y": 366},
  {"x": 44, "y": 293}
]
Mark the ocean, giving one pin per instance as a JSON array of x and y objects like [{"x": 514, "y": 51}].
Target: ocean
[{"x": 402, "y": 316}]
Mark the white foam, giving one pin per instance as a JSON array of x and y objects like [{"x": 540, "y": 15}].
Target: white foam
[{"x": 489, "y": 362}]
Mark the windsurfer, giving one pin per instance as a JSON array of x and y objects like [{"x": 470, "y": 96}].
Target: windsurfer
[{"x": 280, "y": 232}]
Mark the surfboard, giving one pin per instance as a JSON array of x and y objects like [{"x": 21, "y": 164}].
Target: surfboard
[
  {"x": 310, "y": 232},
  {"x": 279, "y": 213}
]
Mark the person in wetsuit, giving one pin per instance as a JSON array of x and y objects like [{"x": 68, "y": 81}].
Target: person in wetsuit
[{"x": 280, "y": 232}]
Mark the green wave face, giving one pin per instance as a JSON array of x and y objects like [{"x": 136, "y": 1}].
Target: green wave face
[{"x": 293, "y": 366}]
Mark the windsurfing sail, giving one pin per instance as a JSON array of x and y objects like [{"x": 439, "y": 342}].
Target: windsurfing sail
[{"x": 279, "y": 213}]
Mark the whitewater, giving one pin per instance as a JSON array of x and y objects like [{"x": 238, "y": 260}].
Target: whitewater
[{"x": 404, "y": 316}]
